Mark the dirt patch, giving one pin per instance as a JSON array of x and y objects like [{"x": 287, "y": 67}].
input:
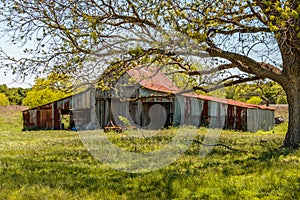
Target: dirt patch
[{"x": 12, "y": 108}]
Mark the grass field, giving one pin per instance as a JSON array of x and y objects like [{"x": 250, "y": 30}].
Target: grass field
[{"x": 56, "y": 165}]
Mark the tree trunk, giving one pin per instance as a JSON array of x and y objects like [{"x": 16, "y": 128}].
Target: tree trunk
[
  {"x": 292, "y": 89},
  {"x": 292, "y": 138}
]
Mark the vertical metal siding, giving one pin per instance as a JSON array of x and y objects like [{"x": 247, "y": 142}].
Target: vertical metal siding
[
  {"x": 258, "y": 119},
  {"x": 217, "y": 113},
  {"x": 179, "y": 110}
]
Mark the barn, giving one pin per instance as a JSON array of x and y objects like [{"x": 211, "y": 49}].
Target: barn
[{"x": 146, "y": 98}]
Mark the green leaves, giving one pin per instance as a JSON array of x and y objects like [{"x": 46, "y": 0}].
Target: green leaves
[
  {"x": 4, "y": 101},
  {"x": 47, "y": 90}
]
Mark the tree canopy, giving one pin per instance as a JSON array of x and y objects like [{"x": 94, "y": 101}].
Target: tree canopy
[
  {"x": 3, "y": 100},
  {"x": 45, "y": 90},
  {"x": 14, "y": 95},
  {"x": 259, "y": 92},
  {"x": 258, "y": 38}
]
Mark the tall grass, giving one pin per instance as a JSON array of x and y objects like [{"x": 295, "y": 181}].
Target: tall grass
[{"x": 56, "y": 165}]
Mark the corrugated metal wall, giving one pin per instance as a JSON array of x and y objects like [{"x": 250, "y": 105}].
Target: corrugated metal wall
[
  {"x": 217, "y": 113},
  {"x": 95, "y": 107},
  {"x": 187, "y": 111},
  {"x": 258, "y": 119}
]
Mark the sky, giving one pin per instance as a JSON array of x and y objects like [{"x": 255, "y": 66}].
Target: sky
[{"x": 11, "y": 80}]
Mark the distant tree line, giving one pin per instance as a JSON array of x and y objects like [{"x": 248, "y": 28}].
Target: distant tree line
[
  {"x": 11, "y": 96},
  {"x": 259, "y": 92}
]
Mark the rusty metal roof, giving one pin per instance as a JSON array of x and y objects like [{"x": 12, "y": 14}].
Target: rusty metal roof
[
  {"x": 227, "y": 101},
  {"x": 153, "y": 78}
]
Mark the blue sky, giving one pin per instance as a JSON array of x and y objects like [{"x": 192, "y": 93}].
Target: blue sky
[{"x": 11, "y": 80}]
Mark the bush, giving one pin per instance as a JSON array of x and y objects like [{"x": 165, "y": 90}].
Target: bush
[{"x": 4, "y": 101}]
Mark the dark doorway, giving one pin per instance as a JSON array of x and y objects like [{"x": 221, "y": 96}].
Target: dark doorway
[{"x": 156, "y": 115}]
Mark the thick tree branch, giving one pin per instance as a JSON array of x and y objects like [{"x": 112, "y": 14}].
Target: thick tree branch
[{"x": 248, "y": 65}]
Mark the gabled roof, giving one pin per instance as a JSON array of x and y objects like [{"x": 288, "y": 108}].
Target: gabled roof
[{"x": 153, "y": 78}]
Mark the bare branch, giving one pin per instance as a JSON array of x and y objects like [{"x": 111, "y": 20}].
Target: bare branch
[{"x": 201, "y": 72}]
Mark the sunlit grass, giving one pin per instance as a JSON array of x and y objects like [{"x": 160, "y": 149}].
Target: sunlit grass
[{"x": 56, "y": 165}]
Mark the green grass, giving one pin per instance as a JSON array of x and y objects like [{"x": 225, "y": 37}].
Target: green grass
[{"x": 56, "y": 165}]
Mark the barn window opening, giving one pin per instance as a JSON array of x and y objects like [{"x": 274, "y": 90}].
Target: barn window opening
[{"x": 65, "y": 122}]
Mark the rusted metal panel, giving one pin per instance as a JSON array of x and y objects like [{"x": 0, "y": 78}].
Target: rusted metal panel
[
  {"x": 56, "y": 117},
  {"x": 152, "y": 78},
  {"x": 204, "y": 114},
  {"x": 25, "y": 119},
  {"x": 192, "y": 112},
  {"x": 32, "y": 118},
  {"x": 241, "y": 118},
  {"x": 187, "y": 111},
  {"x": 46, "y": 120},
  {"x": 230, "y": 118},
  {"x": 227, "y": 101}
]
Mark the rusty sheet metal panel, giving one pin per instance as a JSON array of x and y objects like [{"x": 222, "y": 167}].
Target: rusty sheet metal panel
[
  {"x": 187, "y": 111},
  {"x": 46, "y": 119},
  {"x": 56, "y": 117},
  {"x": 217, "y": 113},
  {"x": 153, "y": 78},
  {"x": 230, "y": 117},
  {"x": 240, "y": 118},
  {"x": 25, "y": 119},
  {"x": 192, "y": 112},
  {"x": 228, "y": 101}
]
